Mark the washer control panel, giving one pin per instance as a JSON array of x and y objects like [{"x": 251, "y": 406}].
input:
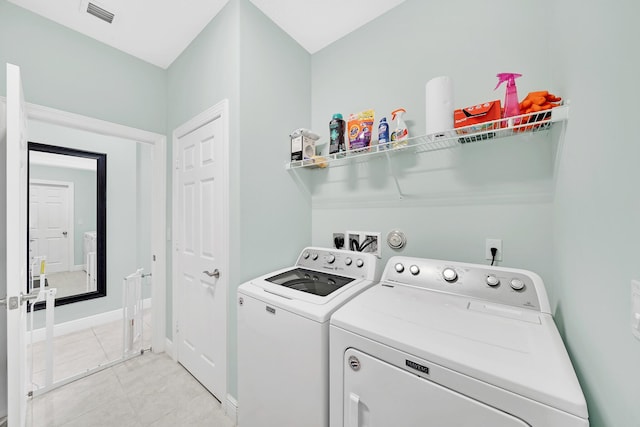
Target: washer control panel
[
  {"x": 519, "y": 288},
  {"x": 341, "y": 262}
]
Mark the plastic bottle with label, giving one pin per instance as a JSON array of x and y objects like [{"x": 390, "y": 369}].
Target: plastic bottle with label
[
  {"x": 337, "y": 127},
  {"x": 400, "y": 134},
  {"x": 383, "y": 134}
]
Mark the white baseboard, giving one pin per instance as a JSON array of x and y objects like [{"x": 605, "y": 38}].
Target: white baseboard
[
  {"x": 77, "y": 268},
  {"x": 231, "y": 409},
  {"x": 84, "y": 323}
]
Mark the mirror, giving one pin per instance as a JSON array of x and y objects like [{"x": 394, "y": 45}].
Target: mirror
[{"x": 67, "y": 222}]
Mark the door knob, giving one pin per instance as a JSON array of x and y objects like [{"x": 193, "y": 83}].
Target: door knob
[
  {"x": 216, "y": 273},
  {"x": 64, "y": 233}
]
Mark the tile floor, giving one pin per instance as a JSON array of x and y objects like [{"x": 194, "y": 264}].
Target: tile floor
[
  {"x": 84, "y": 350},
  {"x": 149, "y": 390}
]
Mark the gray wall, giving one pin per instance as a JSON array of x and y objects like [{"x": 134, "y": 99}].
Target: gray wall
[
  {"x": 268, "y": 210},
  {"x": 84, "y": 201}
]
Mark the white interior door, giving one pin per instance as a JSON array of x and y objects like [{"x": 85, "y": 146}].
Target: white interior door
[
  {"x": 202, "y": 250},
  {"x": 50, "y": 225},
  {"x": 16, "y": 246}
]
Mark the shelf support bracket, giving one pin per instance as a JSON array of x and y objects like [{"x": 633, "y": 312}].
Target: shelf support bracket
[
  {"x": 395, "y": 177},
  {"x": 300, "y": 182}
]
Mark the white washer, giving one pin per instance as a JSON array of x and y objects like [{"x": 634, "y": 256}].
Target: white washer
[
  {"x": 283, "y": 336},
  {"x": 440, "y": 343}
]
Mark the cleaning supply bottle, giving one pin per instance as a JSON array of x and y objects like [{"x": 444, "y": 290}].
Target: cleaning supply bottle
[
  {"x": 400, "y": 134},
  {"x": 511, "y": 103},
  {"x": 337, "y": 128},
  {"x": 383, "y": 134}
]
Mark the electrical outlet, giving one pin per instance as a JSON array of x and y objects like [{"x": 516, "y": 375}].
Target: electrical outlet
[
  {"x": 364, "y": 241},
  {"x": 338, "y": 240},
  {"x": 493, "y": 243}
]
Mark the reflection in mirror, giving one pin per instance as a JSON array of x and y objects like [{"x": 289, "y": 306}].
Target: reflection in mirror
[{"x": 67, "y": 222}]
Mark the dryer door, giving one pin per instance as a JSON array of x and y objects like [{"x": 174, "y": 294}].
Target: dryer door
[{"x": 379, "y": 394}]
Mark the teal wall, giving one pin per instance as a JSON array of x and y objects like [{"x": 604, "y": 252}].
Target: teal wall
[
  {"x": 203, "y": 75},
  {"x": 275, "y": 214},
  {"x": 71, "y": 72},
  {"x": 454, "y": 199},
  {"x": 267, "y": 208},
  {"x": 577, "y": 227},
  {"x": 84, "y": 201},
  {"x": 595, "y": 219}
]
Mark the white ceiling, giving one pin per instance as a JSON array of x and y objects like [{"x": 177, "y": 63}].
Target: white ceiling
[{"x": 157, "y": 31}]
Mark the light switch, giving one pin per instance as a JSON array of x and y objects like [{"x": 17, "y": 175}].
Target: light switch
[{"x": 635, "y": 308}]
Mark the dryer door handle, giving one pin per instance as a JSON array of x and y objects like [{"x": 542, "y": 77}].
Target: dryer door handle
[{"x": 354, "y": 410}]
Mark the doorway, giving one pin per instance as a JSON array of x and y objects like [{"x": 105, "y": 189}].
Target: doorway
[{"x": 51, "y": 223}]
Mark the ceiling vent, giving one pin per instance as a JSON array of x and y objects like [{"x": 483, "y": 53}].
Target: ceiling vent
[{"x": 98, "y": 12}]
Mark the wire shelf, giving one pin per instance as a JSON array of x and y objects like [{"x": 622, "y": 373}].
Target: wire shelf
[{"x": 484, "y": 132}]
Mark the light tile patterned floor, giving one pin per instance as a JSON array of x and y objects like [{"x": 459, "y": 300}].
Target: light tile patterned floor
[
  {"x": 84, "y": 350},
  {"x": 150, "y": 390}
]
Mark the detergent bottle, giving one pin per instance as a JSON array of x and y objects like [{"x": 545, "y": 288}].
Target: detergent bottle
[
  {"x": 400, "y": 133},
  {"x": 511, "y": 103}
]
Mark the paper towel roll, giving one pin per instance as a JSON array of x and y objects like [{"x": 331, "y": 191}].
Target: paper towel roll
[{"x": 439, "y": 92}]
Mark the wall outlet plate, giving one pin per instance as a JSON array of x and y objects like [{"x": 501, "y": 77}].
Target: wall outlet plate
[
  {"x": 364, "y": 241},
  {"x": 338, "y": 241}
]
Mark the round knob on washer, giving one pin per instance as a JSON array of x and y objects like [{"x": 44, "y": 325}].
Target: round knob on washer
[
  {"x": 359, "y": 262},
  {"x": 331, "y": 259},
  {"x": 348, "y": 261},
  {"x": 399, "y": 268},
  {"x": 492, "y": 280},
  {"x": 517, "y": 284},
  {"x": 449, "y": 274},
  {"x": 415, "y": 270},
  {"x": 305, "y": 255},
  {"x": 314, "y": 257}
]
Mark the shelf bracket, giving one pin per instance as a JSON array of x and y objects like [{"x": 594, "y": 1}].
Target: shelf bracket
[
  {"x": 395, "y": 177},
  {"x": 300, "y": 182}
]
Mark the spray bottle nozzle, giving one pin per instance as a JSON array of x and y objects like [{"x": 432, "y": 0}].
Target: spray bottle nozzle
[{"x": 510, "y": 78}]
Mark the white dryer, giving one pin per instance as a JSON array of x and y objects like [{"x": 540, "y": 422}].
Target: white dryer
[
  {"x": 283, "y": 336},
  {"x": 439, "y": 343}
]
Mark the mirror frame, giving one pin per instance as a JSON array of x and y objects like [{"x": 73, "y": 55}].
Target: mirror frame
[{"x": 101, "y": 220}]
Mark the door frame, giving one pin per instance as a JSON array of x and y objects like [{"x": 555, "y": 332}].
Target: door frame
[
  {"x": 221, "y": 109},
  {"x": 70, "y": 215},
  {"x": 158, "y": 197}
]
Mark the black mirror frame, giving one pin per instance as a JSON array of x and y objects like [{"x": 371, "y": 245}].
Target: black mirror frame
[{"x": 101, "y": 221}]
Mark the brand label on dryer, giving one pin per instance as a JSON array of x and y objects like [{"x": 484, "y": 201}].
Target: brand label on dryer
[{"x": 417, "y": 366}]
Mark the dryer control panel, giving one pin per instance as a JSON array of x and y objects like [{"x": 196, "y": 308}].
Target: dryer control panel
[{"x": 509, "y": 286}]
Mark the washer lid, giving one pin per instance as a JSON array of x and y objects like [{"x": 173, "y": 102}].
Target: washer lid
[
  {"x": 523, "y": 354},
  {"x": 312, "y": 282}
]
